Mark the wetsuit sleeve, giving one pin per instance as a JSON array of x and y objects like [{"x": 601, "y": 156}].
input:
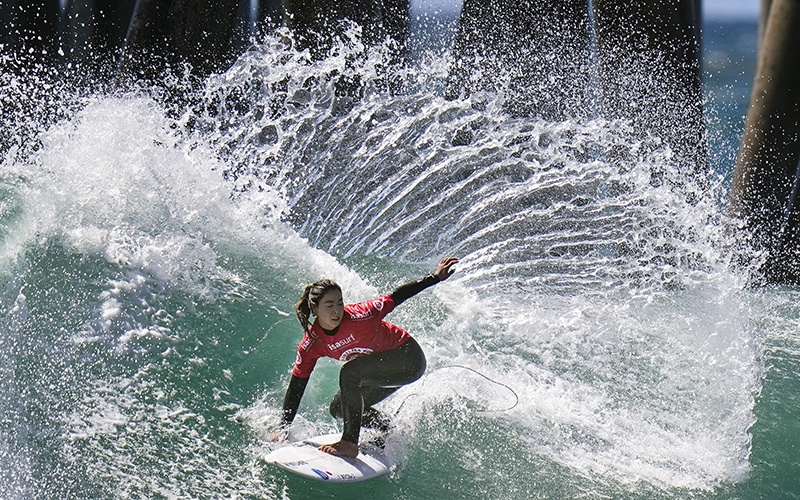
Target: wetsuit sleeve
[
  {"x": 408, "y": 290},
  {"x": 291, "y": 402}
]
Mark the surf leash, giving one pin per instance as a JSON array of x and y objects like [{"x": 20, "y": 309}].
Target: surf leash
[{"x": 473, "y": 370}]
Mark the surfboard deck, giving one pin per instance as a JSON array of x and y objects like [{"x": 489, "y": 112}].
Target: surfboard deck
[{"x": 303, "y": 458}]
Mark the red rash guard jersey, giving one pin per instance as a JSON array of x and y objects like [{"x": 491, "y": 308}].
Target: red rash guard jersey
[{"x": 362, "y": 331}]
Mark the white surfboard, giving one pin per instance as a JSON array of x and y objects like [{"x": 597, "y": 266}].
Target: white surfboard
[{"x": 305, "y": 459}]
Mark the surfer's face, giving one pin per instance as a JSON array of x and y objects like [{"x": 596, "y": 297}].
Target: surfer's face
[{"x": 330, "y": 310}]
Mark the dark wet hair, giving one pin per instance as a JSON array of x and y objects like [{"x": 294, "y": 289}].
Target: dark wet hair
[{"x": 312, "y": 294}]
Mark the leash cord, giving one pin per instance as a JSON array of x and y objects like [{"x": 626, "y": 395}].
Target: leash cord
[{"x": 516, "y": 397}]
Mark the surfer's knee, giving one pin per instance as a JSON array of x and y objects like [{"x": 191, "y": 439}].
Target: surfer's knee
[
  {"x": 419, "y": 363},
  {"x": 336, "y": 406},
  {"x": 420, "y": 369},
  {"x": 349, "y": 377}
]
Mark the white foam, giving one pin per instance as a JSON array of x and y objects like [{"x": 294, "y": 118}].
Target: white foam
[
  {"x": 624, "y": 391},
  {"x": 114, "y": 182}
]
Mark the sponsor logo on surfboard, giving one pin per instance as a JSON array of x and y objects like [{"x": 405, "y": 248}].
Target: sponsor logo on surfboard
[{"x": 321, "y": 473}]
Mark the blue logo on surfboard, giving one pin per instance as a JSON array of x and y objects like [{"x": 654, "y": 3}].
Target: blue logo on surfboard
[{"x": 321, "y": 473}]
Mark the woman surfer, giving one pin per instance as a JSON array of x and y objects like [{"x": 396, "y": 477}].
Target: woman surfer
[{"x": 379, "y": 357}]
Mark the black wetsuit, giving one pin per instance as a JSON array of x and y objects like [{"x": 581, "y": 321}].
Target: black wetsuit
[{"x": 368, "y": 379}]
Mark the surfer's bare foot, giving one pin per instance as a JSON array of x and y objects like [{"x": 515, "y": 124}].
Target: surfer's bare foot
[{"x": 341, "y": 449}]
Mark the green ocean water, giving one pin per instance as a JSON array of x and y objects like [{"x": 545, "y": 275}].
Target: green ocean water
[{"x": 151, "y": 256}]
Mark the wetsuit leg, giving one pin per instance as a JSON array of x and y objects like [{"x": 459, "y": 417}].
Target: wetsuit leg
[
  {"x": 371, "y": 395},
  {"x": 372, "y": 417},
  {"x": 368, "y": 379}
]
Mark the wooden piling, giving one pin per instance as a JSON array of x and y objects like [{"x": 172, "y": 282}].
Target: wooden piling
[
  {"x": 649, "y": 69},
  {"x": 763, "y": 17},
  {"x": 536, "y": 52},
  {"x": 167, "y": 34},
  {"x": 32, "y": 30},
  {"x": 767, "y": 163},
  {"x": 316, "y": 23}
]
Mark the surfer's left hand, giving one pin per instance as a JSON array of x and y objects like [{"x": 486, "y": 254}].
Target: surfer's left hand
[{"x": 445, "y": 268}]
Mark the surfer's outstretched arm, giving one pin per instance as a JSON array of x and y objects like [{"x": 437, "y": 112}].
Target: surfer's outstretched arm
[{"x": 408, "y": 290}]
